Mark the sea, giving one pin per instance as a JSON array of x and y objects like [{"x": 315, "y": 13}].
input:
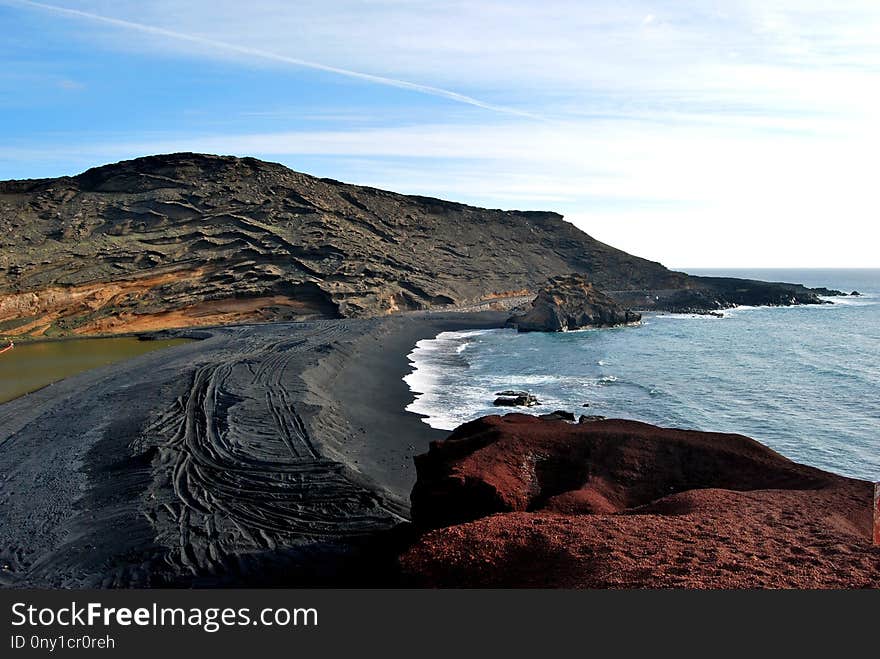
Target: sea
[{"x": 803, "y": 380}]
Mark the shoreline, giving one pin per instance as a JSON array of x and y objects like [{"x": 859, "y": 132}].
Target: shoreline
[
  {"x": 277, "y": 454},
  {"x": 223, "y": 462},
  {"x": 361, "y": 385}
]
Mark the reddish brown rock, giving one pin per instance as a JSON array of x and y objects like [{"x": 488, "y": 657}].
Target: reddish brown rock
[{"x": 520, "y": 501}]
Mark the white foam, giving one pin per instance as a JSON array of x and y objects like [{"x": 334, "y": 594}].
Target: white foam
[
  {"x": 520, "y": 381},
  {"x": 864, "y": 300},
  {"x": 431, "y": 361}
]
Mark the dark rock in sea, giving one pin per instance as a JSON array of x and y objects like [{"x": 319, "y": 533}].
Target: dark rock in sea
[
  {"x": 572, "y": 302},
  {"x": 748, "y": 292},
  {"x": 589, "y": 418},
  {"x": 828, "y": 292},
  {"x": 691, "y": 301},
  {"x": 518, "y": 501},
  {"x": 558, "y": 415},
  {"x": 856, "y": 294},
  {"x": 515, "y": 399}
]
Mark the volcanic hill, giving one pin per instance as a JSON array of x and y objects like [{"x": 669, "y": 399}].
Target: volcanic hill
[{"x": 188, "y": 239}]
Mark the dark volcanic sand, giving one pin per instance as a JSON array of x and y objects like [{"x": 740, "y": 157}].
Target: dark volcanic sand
[
  {"x": 236, "y": 460},
  {"x": 622, "y": 504}
]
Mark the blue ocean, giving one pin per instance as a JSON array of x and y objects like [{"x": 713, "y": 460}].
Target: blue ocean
[{"x": 802, "y": 380}]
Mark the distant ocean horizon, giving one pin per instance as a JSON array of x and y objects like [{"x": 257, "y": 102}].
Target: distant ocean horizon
[{"x": 802, "y": 380}]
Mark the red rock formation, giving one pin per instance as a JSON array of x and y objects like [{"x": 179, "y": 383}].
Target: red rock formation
[{"x": 521, "y": 501}]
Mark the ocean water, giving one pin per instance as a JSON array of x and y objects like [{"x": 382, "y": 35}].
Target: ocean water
[{"x": 802, "y": 380}]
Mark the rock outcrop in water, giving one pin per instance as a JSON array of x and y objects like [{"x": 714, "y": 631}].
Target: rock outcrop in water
[
  {"x": 518, "y": 501},
  {"x": 188, "y": 239},
  {"x": 515, "y": 399},
  {"x": 572, "y": 302}
]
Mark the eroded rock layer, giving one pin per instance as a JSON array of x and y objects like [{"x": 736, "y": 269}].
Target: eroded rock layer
[{"x": 187, "y": 239}]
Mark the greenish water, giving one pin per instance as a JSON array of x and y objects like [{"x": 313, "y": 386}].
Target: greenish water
[{"x": 33, "y": 365}]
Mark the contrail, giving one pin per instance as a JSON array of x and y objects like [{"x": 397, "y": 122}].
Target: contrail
[{"x": 264, "y": 54}]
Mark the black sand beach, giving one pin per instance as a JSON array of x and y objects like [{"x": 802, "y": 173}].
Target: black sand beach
[{"x": 261, "y": 455}]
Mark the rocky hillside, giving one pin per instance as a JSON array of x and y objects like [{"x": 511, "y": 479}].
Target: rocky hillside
[{"x": 188, "y": 239}]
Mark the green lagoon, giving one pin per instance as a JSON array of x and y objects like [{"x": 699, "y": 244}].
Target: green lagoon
[{"x": 31, "y": 366}]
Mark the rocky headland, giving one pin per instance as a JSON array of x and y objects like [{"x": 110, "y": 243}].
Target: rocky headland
[
  {"x": 188, "y": 239},
  {"x": 708, "y": 294},
  {"x": 518, "y": 501}
]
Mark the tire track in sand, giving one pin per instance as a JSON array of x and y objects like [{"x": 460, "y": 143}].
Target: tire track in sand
[{"x": 244, "y": 474}]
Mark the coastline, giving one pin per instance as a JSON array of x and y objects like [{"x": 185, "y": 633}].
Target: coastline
[
  {"x": 362, "y": 396},
  {"x": 271, "y": 455},
  {"x": 228, "y": 461}
]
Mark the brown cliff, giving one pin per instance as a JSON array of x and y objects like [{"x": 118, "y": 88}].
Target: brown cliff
[{"x": 189, "y": 239}]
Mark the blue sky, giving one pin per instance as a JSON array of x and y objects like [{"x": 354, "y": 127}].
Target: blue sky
[{"x": 725, "y": 133}]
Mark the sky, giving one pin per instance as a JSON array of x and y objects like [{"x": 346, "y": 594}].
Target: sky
[{"x": 732, "y": 133}]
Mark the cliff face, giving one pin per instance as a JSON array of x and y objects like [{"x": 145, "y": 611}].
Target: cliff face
[
  {"x": 518, "y": 501},
  {"x": 188, "y": 239}
]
